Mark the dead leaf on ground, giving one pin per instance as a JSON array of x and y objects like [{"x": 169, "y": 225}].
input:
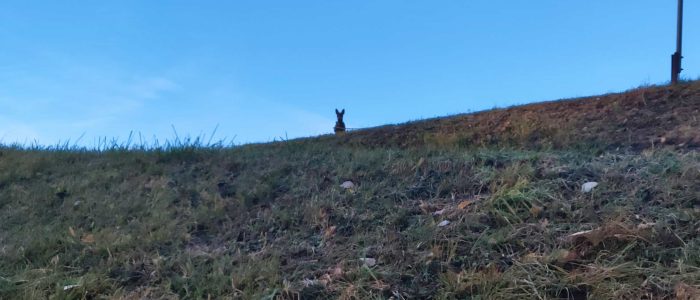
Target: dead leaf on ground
[
  {"x": 337, "y": 272},
  {"x": 426, "y": 207},
  {"x": 54, "y": 260},
  {"x": 612, "y": 230},
  {"x": 380, "y": 285},
  {"x": 464, "y": 204},
  {"x": 329, "y": 232},
  {"x": 563, "y": 256},
  {"x": 71, "y": 231},
  {"x": 531, "y": 257},
  {"x": 325, "y": 280},
  {"x": 643, "y": 226},
  {"x": 88, "y": 238},
  {"x": 686, "y": 292}
]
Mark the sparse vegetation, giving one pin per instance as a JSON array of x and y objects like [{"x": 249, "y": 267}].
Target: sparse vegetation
[{"x": 271, "y": 221}]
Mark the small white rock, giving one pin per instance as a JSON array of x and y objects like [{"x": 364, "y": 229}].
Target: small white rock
[
  {"x": 347, "y": 185},
  {"x": 370, "y": 262},
  {"x": 588, "y": 186},
  {"x": 443, "y": 223},
  {"x": 69, "y": 287}
]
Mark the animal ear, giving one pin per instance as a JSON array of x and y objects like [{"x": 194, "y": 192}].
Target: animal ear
[
  {"x": 342, "y": 111},
  {"x": 336, "y": 111}
]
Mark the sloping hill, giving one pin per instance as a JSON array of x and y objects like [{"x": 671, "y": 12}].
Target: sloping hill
[
  {"x": 480, "y": 206},
  {"x": 636, "y": 119}
]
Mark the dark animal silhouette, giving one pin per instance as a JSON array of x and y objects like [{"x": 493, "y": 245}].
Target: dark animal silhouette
[{"x": 339, "y": 126}]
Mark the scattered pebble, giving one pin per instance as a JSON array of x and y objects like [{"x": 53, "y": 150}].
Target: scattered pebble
[
  {"x": 443, "y": 223},
  {"x": 71, "y": 286},
  {"x": 370, "y": 262},
  {"x": 347, "y": 185},
  {"x": 76, "y": 203},
  {"x": 588, "y": 186}
]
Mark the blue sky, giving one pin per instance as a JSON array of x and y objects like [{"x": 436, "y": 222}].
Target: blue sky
[{"x": 267, "y": 69}]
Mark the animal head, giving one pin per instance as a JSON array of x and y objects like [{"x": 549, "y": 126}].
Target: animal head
[{"x": 340, "y": 114}]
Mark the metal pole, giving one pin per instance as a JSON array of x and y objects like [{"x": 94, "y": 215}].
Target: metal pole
[{"x": 678, "y": 56}]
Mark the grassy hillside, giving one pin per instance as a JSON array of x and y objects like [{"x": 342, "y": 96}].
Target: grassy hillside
[{"x": 479, "y": 206}]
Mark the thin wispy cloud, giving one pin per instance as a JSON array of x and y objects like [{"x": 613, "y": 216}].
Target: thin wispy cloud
[{"x": 66, "y": 103}]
